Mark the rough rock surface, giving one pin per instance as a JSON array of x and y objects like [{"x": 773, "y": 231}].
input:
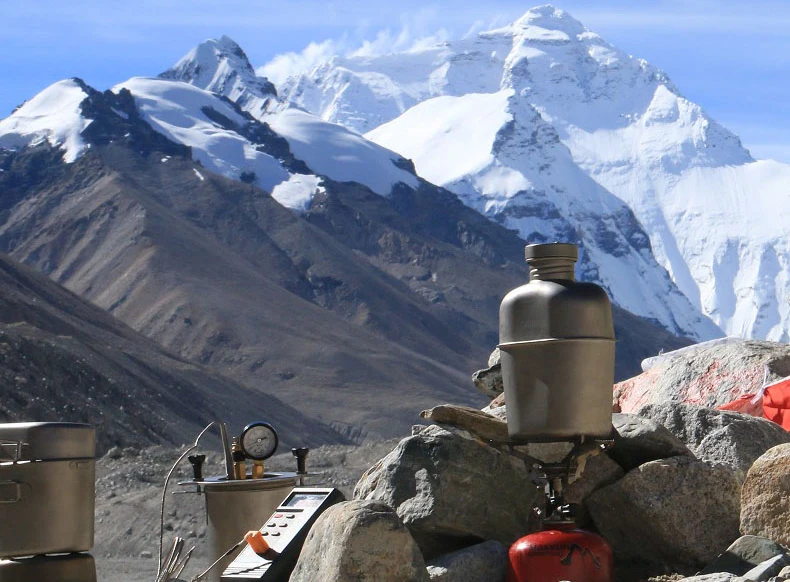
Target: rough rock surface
[
  {"x": 599, "y": 471},
  {"x": 718, "y": 436},
  {"x": 486, "y": 561},
  {"x": 709, "y": 376},
  {"x": 744, "y": 554},
  {"x": 717, "y": 577},
  {"x": 765, "y": 498},
  {"x": 359, "y": 540},
  {"x": 638, "y": 440},
  {"x": 450, "y": 490},
  {"x": 489, "y": 380},
  {"x": 768, "y": 569},
  {"x": 647, "y": 515}
]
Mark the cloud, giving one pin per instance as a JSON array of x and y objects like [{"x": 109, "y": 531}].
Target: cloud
[
  {"x": 284, "y": 65},
  {"x": 383, "y": 42}
]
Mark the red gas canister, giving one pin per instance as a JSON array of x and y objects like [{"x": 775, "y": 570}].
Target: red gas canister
[{"x": 558, "y": 554}]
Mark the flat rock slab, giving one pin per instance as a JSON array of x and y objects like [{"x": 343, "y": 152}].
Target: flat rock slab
[
  {"x": 765, "y": 498},
  {"x": 638, "y": 440},
  {"x": 486, "y": 561},
  {"x": 360, "y": 540},
  {"x": 481, "y": 424},
  {"x": 744, "y": 554},
  {"x": 451, "y": 491},
  {"x": 718, "y": 436},
  {"x": 678, "y": 512}
]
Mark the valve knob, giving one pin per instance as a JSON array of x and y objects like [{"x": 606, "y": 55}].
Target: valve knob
[
  {"x": 301, "y": 459},
  {"x": 197, "y": 466}
]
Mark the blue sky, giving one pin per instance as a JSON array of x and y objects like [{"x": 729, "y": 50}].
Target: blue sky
[{"x": 733, "y": 58}]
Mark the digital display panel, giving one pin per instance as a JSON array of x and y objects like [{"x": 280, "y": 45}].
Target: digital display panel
[{"x": 306, "y": 500}]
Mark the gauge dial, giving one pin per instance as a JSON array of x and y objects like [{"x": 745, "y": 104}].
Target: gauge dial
[{"x": 259, "y": 440}]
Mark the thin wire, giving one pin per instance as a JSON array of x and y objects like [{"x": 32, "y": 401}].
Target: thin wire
[{"x": 164, "y": 493}]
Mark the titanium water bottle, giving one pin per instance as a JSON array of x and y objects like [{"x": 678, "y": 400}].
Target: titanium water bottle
[{"x": 556, "y": 341}]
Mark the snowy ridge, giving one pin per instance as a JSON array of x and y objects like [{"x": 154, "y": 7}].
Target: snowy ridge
[
  {"x": 181, "y": 113},
  {"x": 345, "y": 156},
  {"x": 715, "y": 218},
  {"x": 221, "y": 66},
  {"x": 54, "y": 116}
]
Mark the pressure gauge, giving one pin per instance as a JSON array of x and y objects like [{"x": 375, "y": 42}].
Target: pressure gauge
[{"x": 259, "y": 440}]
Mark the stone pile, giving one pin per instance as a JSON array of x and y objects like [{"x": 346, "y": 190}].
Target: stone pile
[{"x": 685, "y": 489}]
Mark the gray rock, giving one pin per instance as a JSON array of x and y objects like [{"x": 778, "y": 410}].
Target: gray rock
[
  {"x": 679, "y": 512},
  {"x": 718, "y": 436},
  {"x": 785, "y": 573},
  {"x": 710, "y": 376},
  {"x": 768, "y": 569},
  {"x": 359, "y": 540},
  {"x": 744, "y": 554},
  {"x": 486, "y": 561},
  {"x": 449, "y": 490},
  {"x": 638, "y": 440},
  {"x": 765, "y": 499},
  {"x": 489, "y": 380},
  {"x": 599, "y": 471},
  {"x": 717, "y": 577}
]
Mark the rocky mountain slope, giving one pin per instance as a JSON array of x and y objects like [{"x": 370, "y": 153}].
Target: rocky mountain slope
[
  {"x": 574, "y": 131},
  {"x": 64, "y": 359},
  {"x": 288, "y": 252}
]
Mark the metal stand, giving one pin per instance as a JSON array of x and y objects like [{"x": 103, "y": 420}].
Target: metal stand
[{"x": 555, "y": 477}]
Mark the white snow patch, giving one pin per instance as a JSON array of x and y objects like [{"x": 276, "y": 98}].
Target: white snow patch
[
  {"x": 176, "y": 110},
  {"x": 448, "y": 137},
  {"x": 340, "y": 154},
  {"x": 53, "y": 115},
  {"x": 297, "y": 193},
  {"x": 198, "y": 174}
]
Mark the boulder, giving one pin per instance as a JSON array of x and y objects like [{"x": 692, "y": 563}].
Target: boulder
[
  {"x": 489, "y": 380},
  {"x": 718, "y": 436},
  {"x": 765, "y": 498},
  {"x": 711, "y": 375},
  {"x": 599, "y": 471},
  {"x": 678, "y": 512},
  {"x": 768, "y": 569},
  {"x": 638, "y": 440},
  {"x": 744, "y": 554},
  {"x": 486, "y": 561},
  {"x": 359, "y": 540},
  {"x": 451, "y": 491}
]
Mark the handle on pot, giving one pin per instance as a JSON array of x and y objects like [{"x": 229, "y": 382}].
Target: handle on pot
[{"x": 11, "y": 491}]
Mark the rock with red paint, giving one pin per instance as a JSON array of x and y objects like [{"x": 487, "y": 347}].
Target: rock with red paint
[{"x": 711, "y": 375}]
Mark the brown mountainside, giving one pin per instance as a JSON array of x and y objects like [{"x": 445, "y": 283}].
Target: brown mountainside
[{"x": 64, "y": 359}]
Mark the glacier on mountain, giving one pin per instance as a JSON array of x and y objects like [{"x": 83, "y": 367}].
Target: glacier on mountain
[
  {"x": 715, "y": 217},
  {"x": 54, "y": 116}
]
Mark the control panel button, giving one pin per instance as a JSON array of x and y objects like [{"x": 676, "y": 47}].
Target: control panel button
[
  {"x": 276, "y": 515},
  {"x": 290, "y": 516},
  {"x": 275, "y": 533},
  {"x": 283, "y": 525}
]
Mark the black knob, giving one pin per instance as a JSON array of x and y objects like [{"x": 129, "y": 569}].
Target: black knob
[
  {"x": 301, "y": 459},
  {"x": 197, "y": 466}
]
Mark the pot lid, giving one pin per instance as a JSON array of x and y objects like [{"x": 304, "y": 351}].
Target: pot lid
[{"x": 46, "y": 441}]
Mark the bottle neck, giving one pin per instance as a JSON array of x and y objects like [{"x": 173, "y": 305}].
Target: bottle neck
[{"x": 554, "y": 268}]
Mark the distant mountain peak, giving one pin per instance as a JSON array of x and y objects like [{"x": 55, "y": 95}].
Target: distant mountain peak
[
  {"x": 221, "y": 66},
  {"x": 550, "y": 18}
]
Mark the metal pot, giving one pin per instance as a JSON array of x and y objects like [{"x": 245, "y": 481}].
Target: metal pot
[{"x": 47, "y": 488}]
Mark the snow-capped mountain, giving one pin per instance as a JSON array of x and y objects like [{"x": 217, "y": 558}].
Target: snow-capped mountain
[
  {"x": 222, "y": 67},
  {"x": 520, "y": 196},
  {"x": 715, "y": 217},
  {"x": 52, "y": 116}
]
